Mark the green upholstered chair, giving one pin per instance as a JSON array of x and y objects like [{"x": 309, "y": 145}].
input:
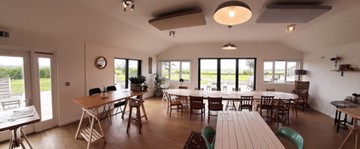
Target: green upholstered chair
[
  {"x": 291, "y": 135},
  {"x": 208, "y": 134}
]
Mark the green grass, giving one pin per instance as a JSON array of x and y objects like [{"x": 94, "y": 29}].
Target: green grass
[{"x": 17, "y": 86}]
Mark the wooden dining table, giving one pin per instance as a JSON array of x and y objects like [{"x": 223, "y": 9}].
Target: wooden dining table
[
  {"x": 244, "y": 129},
  {"x": 97, "y": 100},
  {"x": 231, "y": 95},
  {"x": 355, "y": 114}
]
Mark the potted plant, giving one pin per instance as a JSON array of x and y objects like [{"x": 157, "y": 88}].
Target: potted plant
[
  {"x": 136, "y": 83},
  {"x": 158, "y": 81}
]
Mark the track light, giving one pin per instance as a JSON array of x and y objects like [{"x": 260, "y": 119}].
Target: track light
[{"x": 128, "y": 4}]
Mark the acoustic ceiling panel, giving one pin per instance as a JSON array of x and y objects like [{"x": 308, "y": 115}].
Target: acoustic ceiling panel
[
  {"x": 291, "y": 13},
  {"x": 179, "y": 20}
]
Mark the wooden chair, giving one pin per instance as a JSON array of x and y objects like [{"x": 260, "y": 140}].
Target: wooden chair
[
  {"x": 214, "y": 104},
  {"x": 197, "y": 103},
  {"x": 282, "y": 111},
  {"x": 266, "y": 103},
  {"x": 270, "y": 89},
  {"x": 246, "y": 102},
  {"x": 173, "y": 102},
  {"x": 301, "y": 88},
  {"x": 231, "y": 103}
]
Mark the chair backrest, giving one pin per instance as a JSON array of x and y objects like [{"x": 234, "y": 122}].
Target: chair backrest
[
  {"x": 196, "y": 100},
  {"x": 270, "y": 89},
  {"x": 94, "y": 91},
  {"x": 215, "y": 103},
  {"x": 266, "y": 100},
  {"x": 291, "y": 135},
  {"x": 283, "y": 104},
  {"x": 183, "y": 87},
  {"x": 5, "y": 88},
  {"x": 246, "y": 102},
  {"x": 208, "y": 133},
  {"x": 111, "y": 88}
]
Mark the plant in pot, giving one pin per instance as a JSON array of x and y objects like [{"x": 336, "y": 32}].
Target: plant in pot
[
  {"x": 136, "y": 83},
  {"x": 158, "y": 81}
]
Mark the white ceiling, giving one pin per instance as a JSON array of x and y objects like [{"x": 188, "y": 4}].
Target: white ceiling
[{"x": 104, "y": 22}]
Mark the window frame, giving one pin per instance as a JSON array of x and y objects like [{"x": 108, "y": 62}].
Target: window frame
[
  {"x": 180, "y": 69},
  {"x": 218, "y": 84},
  {"x": 298, "y": 66},
  {"x": 127, "y": 70}
]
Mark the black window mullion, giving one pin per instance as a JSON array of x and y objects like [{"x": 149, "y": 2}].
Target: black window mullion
[
  {"x": 199, "y": 72},
  {"x": 126, "y": 73},
  {"x": 139, "y": 68},
  {"x": 218, "y": 84},
  {"x": 236, "y": 74}
]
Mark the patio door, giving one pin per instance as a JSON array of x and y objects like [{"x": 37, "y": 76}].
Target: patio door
[
  {"x": 45, "y": 90},
  {"x": 15, "y": 83}
]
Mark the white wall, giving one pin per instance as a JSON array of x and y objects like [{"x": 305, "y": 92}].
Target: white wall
[
  {"x": 327, "y": 85},
  {"x": 260, "y": 50},
  {"x": 76, "y": 67}
]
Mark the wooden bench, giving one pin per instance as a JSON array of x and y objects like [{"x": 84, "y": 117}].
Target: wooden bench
[{"x": 6, "y": 100}]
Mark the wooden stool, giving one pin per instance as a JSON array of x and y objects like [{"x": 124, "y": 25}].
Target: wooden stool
[{"x": 134, "y": 104}]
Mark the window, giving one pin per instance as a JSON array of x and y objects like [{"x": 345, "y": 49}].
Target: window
[
  {"x": 280, "y": 71},
  {"x": 174, "y": 70},
  {"x": 124, "y": 69},
  {"x": 227, "y": 74}
]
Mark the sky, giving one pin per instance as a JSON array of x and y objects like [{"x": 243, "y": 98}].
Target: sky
[{"x": 16, "y": 61}]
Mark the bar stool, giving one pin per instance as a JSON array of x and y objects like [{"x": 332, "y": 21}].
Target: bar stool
[{"x": 134, "y": 104}]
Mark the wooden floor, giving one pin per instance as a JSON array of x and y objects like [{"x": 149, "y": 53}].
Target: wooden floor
[{"x": 162, "y": 132}]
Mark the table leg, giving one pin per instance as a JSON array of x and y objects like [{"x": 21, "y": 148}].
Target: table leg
[
  {"x": 336, "y": 114},
  {"x": 26, "y": 139},
  {"x": 126, "y": 103},
  {"x": 338, "y": 122},
  {"x": 81, "y": 119},
  {"x": 353, "y": 129}
]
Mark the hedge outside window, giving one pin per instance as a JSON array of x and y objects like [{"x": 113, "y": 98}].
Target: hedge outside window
[
  {"x": 174, "y": 70},
  {"x": 280, "y": 71}
]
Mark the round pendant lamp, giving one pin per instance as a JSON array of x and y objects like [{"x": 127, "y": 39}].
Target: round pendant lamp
[{"x": 232, "y": 13}]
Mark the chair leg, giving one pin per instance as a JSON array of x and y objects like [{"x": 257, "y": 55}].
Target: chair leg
[
  {"x": 190, "y": 113},
  {"x": 170, "y": 111}
]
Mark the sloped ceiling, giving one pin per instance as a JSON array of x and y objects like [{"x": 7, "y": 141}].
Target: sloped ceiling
[{"x": 105, "y": 23}]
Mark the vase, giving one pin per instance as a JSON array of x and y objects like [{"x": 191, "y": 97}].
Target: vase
[{"x": 135, "y": 87}]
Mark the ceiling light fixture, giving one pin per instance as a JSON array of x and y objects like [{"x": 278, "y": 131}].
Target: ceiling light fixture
[
  {"x": 128, "y": 4},
  {"x": 232, "y": 13},
  {"x": 290, "y": 28},
  {"x": 229, "y": 46},
  {"x": 172, "y": 33}
]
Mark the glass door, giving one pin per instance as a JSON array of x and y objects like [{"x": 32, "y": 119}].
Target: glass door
[
  {"x": 246, "y": 74},
  {"x": 15, "y": 81},
  {"x": 208, "y": 74},
  {"x": 45, "y": 83},
  {"x": 228, "y": 74}
]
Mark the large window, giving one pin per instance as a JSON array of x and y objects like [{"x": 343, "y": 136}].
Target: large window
[
  {"x": 124, "y": 69},
  {"x": 280, "y": 71},
  {"x": 175, "y": 70},
  {"x": 227, "y": 74}
]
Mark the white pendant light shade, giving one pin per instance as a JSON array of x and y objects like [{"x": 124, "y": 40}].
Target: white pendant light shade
[
  {"x": 232, "y": 13},
  {"x": 229, "y": 46}
]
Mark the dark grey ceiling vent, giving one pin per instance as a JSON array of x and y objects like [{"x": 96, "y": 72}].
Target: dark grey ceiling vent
[
  {"x": 291, "y": 13},
  {"x": 179, "y": 20},
  {"x": 4, "y": 34}
]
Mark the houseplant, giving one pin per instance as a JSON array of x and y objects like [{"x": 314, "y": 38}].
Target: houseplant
[
  {"x": 136, "y": 83},
  {"x": 158, "y": 81}
]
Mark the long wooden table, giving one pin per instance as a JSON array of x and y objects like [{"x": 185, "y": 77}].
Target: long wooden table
[
  {"x": 244, "y": 129},
  {"x": 355, "y": 114},
  {"x": 231, "y": 95},
  {"x": 96, "y": 101}
]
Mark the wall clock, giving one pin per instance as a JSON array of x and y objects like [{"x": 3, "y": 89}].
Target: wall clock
[{"x": 100, "y": 62}]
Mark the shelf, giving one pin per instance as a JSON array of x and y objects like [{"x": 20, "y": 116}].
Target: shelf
[{"x": 342, "y": 71}]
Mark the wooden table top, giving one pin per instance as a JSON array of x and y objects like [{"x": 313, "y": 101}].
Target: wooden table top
[
  {"x": 244, "y": 129},
  {"x": 352, "y": 112},
  {"x": 94, "y": 101},
  {"x": 16, "y": 123},
  {"x": 231, "y": 94}
]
